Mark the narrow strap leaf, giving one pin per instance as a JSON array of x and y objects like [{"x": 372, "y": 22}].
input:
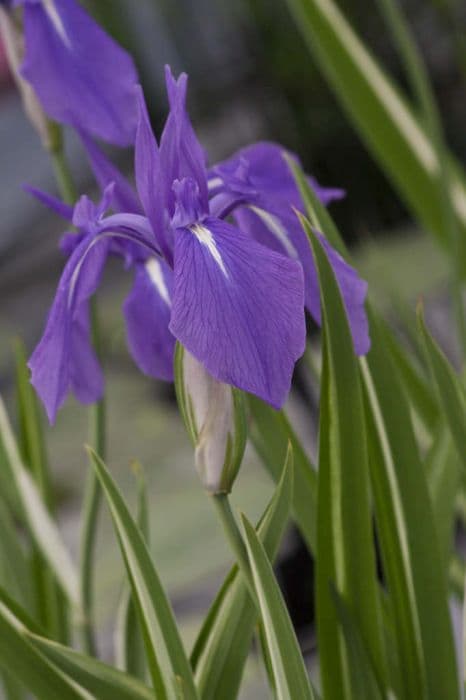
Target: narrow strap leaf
[
  {"x": 271, "y": 432},
  {"x": 41, "y": 527},
  {"x": 406, "y": 528},
  {"x": 345, "y": 548},
  {"x": 166, "y": 655},
  {"x": 103, "y": 681},
  {"x": 224, "y": 641},
  {"x": 29, "y": 666},
  {"x": 291, "y": 677},
  {"x": 448, "y": 387}
]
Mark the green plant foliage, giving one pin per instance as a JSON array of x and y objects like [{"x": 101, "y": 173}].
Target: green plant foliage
[
  {"x": 103, "y": 681},
  {"x": 34, "y": 513},
  {"x": 386, "y": 123},
  {"x": 167, "y": 661},
  {"x": 448, "y": 387},
  {"x": 290, "y": 674},
  {"x": 20, "y": 659},
  {"x": 345, "y": 548},
  {"x": 271, "y": 433},
  {"x": 224, "y": 641},
  {"x": 405, "y": 524}
]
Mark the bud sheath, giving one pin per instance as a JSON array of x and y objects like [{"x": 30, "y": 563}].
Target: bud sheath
[{"x": 214, "y": 414}]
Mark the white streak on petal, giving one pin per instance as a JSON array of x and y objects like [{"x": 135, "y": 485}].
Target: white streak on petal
[
  {"x": 154, "y": 270},
  {"x": 205, "y": 237},
  {"x": 214, "y": 182},
  {"x": 51, "y": 10},
  {"x": 277, "y": 229}
]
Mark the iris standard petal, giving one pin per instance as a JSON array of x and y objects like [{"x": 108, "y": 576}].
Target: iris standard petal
[
  {"x": 57, "y": 362},
  {"x": 265, "y": 170},
  {"x": 147, "y": 313},
  {"x": 80, "y": 75},
  {"x": 150, "y": 179},
  {"x": 182, "y": 156},
  {"x": 238, "y": 307}
]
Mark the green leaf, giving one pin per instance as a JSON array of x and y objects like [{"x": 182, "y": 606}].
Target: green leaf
[
  {"x": 168, "y": 663},
  {"x": 32, "y": 438},
  {"x": 103, "y": 681},
  {"x": 129, "y": 643},
  {"x": 316, "y": 212},
  {"x": 20, "y": 659},
  {"x": 345, "y": 547},
  {"x": 12, "y": 688},
  {"x": 224, "y": 641},
  {"x": 42, "y": 529},
  {"x": 418, "y": 390},
  {"x": 448, "y": 387},
  {"x": 363, "y": 677},
  {"x": 406, "y": 528},
  {"x": 290, "y": 674},
  {"x": 50, "y": 605},
  {"x": 14, "y": 570},
  {"x": 271, "y": 433},
  {"x": 443, "y": 475},
  {"x": 391, "y": 130}
]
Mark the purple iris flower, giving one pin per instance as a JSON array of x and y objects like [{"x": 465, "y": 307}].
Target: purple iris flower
[
  {"x": 237, "y": 306},
  {"x": 258, "y": 186},
  {"x": 231, "y": 293},
  {"x": 64, "y": 359},
  {"x": 80, "y": 75}
]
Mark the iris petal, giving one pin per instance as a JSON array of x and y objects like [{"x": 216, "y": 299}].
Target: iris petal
[
  {"x": 147, "y": 313},
  {"x": 283, "y": 232},
  {"x": 64, "y": 358},
  {"x": 181, "y": 154},
  {"x": 81, "y": 76},
  {"x": 238, "y": 308}
]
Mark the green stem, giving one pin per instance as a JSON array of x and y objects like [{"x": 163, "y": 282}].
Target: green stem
[
  {"x": 91, "y": 504},
  {"x": 63, "y": 177},
  {"x": 231, "y": 529},
  {"x": 61, "y": 168},
  {"x": 89, "y": 519},
  {"x": 97, "y": 436}
]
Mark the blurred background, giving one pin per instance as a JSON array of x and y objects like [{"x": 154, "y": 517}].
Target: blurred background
[{"x": 251, "y": 78}]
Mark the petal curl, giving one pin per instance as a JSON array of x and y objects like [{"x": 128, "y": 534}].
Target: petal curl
[{"x": 64, "y": 358}]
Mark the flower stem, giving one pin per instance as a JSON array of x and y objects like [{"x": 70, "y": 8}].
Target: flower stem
[
  {"x": 62, "y": 171},
  {"x": 233, "y": 534},
  {"x": 97, "y": 431},
  {"x": 91, "y": 503}
]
